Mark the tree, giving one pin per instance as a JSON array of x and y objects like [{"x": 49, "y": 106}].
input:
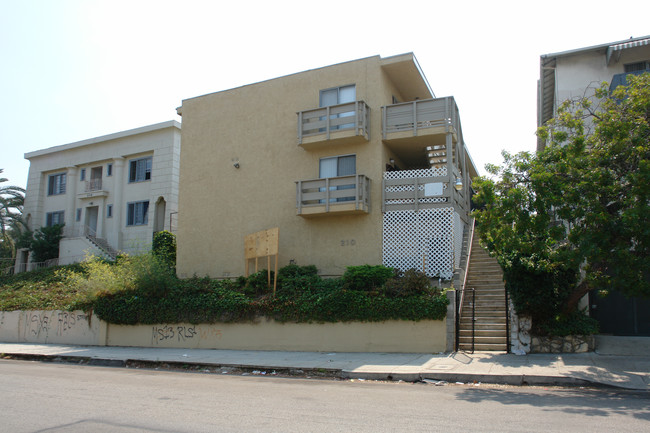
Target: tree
[
  {"x": 44, "y": 245},
  {"x": 576, "y": 216},
  {"x": 12, "y": 199}
]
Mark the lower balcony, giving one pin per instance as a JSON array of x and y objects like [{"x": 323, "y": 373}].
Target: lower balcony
[{"x": 333, "y": 195}]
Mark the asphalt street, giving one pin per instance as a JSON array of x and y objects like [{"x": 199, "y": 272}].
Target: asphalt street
[{"x": 51, "y": 397}]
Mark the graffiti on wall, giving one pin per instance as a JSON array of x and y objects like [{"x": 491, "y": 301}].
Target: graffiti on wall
[
  {"x": 178, "y": 333},
  {"x": 43, "y": 324}
]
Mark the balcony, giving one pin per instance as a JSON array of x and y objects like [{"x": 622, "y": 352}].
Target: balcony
[
  {"x": 92, "y": 188},
  {"x": 408, "y": 128},
  {"x": 414, "y": 190},
  {"x": 334, "y": 195},
  {"x": 343, "y": 124},
  {"x": 621, "y": 79}
]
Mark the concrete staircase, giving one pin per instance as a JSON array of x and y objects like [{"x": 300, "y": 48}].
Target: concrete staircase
[
  {"x": 103, "y": 245},
  {"x": 484, "y": 275}
]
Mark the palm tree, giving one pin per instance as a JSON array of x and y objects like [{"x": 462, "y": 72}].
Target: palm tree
[{"x": 12, "y": 199}]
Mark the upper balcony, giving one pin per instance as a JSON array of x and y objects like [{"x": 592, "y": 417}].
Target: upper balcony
[
  {"x": 93, "y": 188},
  {"x": 333, "y": 195},
  {"x": 342, "y": 123},
  {"x": 409, "y": 127}
]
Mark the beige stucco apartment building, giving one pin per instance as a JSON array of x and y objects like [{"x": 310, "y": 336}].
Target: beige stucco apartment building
[
  {"x": 111, "y": 192},
  {"x": 355, "y": 163}
]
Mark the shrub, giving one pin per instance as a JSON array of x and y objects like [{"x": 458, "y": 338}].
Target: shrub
[
  {"x": 256, "y": 284},
  {"x": 164, "y": 247},
  {"x": 366, "y": 277},
  {"x": 577, "y": 323},
  {"x": 409, "y": 283},
  {"x": 538, "y": 287},
  {"x": 45, "y": 243},
  {"x": 294, "y": 279},
  {"x": 145, "y": 273}
]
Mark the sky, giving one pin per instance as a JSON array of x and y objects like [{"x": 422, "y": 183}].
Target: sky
[{"x": 73, "y": 70}]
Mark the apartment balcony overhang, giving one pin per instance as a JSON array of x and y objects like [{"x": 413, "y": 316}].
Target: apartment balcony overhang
[
  {"x": 406, "y": 75},
  {"x": 336, "y": 124},
  {"x": 334, "y": 195},
  {"x": 409, "y": 127},
  {"x": 92, "y": 189}
]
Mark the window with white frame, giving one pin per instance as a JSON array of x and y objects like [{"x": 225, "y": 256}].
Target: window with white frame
[
  {"x": 82, "y": 174},
  {"x": 109, "y": 211},
  {"x": 109, "y": 169},
  {"x": 78, "y": 217},
  {"x": 54, "y": 218},
  {"x": 137, "y": 213},
  {"x": 140, "y": 169},
  {"x": 56, "y": 184}
]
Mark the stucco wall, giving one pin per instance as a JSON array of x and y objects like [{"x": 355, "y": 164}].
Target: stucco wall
[
  {"x": 55, "y": 327},
  {"x": 63, "y": 327},
  {"x": 160, "y": 141},
  {"x": 392, "y": 336},
  {"x": 256, "y": 126}
]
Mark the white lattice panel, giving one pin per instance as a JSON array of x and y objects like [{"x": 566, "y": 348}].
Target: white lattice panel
[
  {"x": 411, "y": 238},
  {"x": 411, "y": 174},
  {"x": 458, "y": 238}
]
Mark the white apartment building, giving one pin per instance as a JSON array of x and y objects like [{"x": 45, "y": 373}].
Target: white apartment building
[
  {"x": 111, "y": 192},
  {"x": 575, "y": 73}
]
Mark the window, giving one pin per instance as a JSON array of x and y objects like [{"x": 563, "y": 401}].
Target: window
[
  {"x": 140, "y": 169},
  {"x": 56, "y": 184},
  {"x": 82, "y": 174},
  {"x": 339, "y": 95},
  {"x": 53, "y": 218},
  {"x": 636, "y": 67},
  {"x": 109, "y": 169},
  {"x": 137, "y": 213},
  {"x": 109, "y": 211},
  {"x": 78, "y": 217},
  {"x": 339, "y": 166}
]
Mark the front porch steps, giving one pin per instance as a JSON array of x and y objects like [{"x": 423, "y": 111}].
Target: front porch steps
[{"x": 484, "y": 275}]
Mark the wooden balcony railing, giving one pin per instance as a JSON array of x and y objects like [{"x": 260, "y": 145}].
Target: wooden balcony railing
[
  {"x": 420, "y": 115},
  {"x": 344, "y": 194},
  {"x": 353, "y": 117}
]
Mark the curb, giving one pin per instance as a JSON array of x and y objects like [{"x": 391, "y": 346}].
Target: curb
[{"x": 512, "y": 379}]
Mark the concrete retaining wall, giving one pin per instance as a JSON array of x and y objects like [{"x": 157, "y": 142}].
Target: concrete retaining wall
[
  {"x": 56, "y": 327},
  {"x": 64, "y": 327}
]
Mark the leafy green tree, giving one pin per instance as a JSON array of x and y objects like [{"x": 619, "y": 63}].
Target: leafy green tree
[
  {"x": 12, "y": 199},
  {"x": 576, "y": 216},
  {"x": 45, "y": 243},
  {"x": 164, "y": 247}
]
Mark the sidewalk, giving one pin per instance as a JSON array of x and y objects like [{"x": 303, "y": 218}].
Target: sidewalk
[{"x": 629, "y": 372}]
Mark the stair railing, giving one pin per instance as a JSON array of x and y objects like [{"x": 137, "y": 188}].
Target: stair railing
[
  {"x": 459, "y": 305},
  {"x": 473, "y": 318}
]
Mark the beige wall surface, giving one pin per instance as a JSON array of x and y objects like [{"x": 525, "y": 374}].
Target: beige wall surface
[
  {"x": 55, "y": 327},
  {"x": 75, "y": 327},
  {"x": 256, "y": 126},
  {"x": 391, "y": 336},
  {"x": 160, "y": 141}
]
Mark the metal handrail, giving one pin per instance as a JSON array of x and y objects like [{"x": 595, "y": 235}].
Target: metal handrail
[
  {"x": 469, "y": 254},
  {"x": 473, "y": 317}
]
